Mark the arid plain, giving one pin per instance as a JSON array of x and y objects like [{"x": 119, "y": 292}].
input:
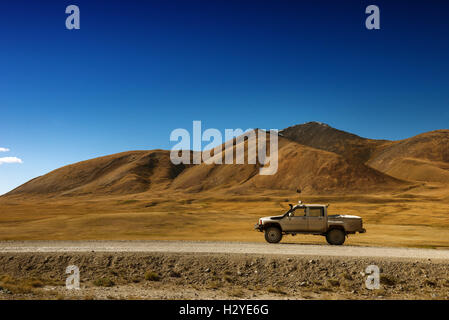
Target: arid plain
[{"x": 399, "y": 188}]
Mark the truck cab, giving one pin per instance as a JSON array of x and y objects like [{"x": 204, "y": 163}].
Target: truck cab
[{"x": 305, "y": 218}]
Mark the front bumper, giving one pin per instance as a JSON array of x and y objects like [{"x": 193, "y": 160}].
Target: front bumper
[{"x": 258, "y": 227}]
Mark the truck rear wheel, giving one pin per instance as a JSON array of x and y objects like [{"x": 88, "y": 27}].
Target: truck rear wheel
[
  {"x": 273, "y": 234},
  {"x": 336, "y": 237}
]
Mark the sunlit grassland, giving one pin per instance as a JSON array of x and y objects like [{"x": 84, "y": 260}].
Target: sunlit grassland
[{"x": 413, "y": 220}]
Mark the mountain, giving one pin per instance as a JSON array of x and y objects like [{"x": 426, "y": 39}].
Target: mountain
[
  {"x": 124, "y": 173},
  {"x": 314, "y": 171},
  {"x": 322, "y": 136},
  {"x": 300, "y": 166},
  {"x": 424, "y": 157}
]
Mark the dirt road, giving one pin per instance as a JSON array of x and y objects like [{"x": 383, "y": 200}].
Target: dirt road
[{"x": 221, "y": 247}]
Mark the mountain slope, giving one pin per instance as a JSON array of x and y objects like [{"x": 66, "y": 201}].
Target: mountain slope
[
  {"x": 321, "y": 136},
  {"x": 318, "y": 171},
  {"x": 313, "y": 170},
  {"x": 424, "y": 157},
  {"x": 121, "y": 173}
]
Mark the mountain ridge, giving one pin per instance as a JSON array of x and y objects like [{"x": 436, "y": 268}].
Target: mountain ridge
[{"x": 312, "y": 156}]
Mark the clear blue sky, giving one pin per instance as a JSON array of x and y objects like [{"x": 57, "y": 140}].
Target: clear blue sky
[{"x": 139, "y": 69}]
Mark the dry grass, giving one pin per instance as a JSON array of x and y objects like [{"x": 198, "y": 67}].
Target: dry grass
[
  {"x": 236, "y": 292},
  {"x": 20, "y": 285},
  {"x": 413, "y": 218},
  {"x": 276, "y": 290},
  {"x": 152, "y": 276},
  {"x": 387, "y": 280},
  {"x": 333, "y": 282},
  {"x": 214, "y": 284},
  {"x": 103, "y": 282}
]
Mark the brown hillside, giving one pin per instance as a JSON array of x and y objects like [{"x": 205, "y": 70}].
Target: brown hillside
[
  {"x": 315, "y": 171},
  {"x": 321, "y": 136},
  {"x": 422, "y": 158},
  {"x": 212, "y": 176},
  {"x": 121, "y": 173}
]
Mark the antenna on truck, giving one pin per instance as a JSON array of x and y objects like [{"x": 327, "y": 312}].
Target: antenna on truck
[{"x": 299, "y": 191}]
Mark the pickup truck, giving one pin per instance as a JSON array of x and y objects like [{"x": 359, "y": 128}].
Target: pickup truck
[{"x": 310, "y": 219}]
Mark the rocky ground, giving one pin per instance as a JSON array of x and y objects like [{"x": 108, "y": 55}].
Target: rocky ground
[{"x": 217, "y": 276}]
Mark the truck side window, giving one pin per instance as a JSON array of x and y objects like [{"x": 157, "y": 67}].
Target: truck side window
[{"x": 316, "y": 212}]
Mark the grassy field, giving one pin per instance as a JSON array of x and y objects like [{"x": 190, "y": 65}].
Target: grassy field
[{"x": 412, "y": 219}]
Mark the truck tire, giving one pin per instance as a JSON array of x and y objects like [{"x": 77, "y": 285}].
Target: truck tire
[
  {"x": 273, "y": 234},
  {"x": 336, "y": 237}
]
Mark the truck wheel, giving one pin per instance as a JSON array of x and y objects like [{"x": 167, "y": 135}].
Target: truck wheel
[
  {"x": 336, "y": 237},
  {"x": 273, "y": 234}
]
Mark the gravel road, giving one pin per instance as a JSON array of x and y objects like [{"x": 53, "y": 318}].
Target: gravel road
[{"x": 221, "y": 247}]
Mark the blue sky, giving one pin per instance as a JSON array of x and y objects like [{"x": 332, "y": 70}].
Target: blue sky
[{"x": 136, "y": 70}]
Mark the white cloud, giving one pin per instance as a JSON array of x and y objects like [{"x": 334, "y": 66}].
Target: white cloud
[{"x": 10, "y": 160}]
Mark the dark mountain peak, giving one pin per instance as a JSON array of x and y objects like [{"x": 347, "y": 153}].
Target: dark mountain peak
[
  {"x": 315, "y": 123},
  {"x": 316, "y": 127},
  {"x": 322, "y": 136}
]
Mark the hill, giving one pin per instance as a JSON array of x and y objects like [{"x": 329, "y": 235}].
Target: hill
[
  {"x": 121, "y": 173},
  {"x": 315, "y": 171},
  {"x": 424, "y": 157},
  {"x": 322, "y": 136}
]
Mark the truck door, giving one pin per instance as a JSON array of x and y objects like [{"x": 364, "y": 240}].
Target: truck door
[
  {"x": 296, "y": 222},
  {"x": 315, "y": 219}
]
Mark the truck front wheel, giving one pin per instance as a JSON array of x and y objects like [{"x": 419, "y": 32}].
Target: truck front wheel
[
  {"x": 336, "y": 237},
  {"x": 273, "y": 234}
]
